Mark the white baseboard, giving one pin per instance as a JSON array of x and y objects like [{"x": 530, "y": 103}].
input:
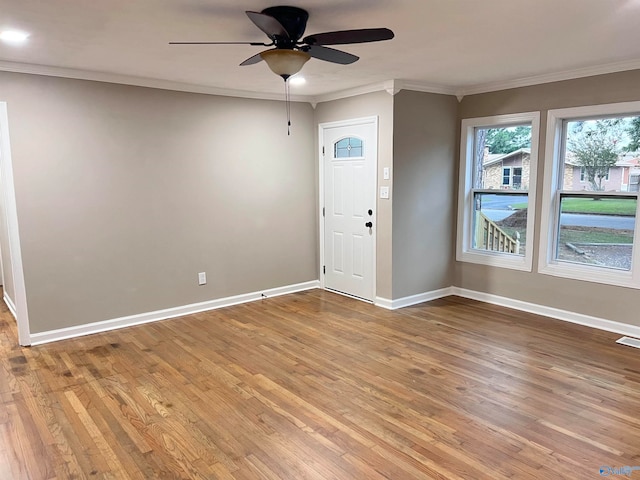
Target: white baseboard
[
  {"x": 116, "y": 323},
  {"x": 383, "y": 302},
  {"x": 10, "y": 305},
  {"x": 97, "y": 327},
  {"x": 565, "y": 315},
  {"x": 413, "y": 299}
]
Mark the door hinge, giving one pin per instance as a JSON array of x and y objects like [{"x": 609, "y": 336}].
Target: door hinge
[
  {"x": 324, "y": 269},
  {"x": 322, "y": 150},
  {"x": 323, "y": 211}
]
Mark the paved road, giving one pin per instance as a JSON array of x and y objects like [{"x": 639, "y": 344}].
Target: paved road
[
  {"x": 603, "y": 221},
  {"x": 573, "y": 219},
  {"x": 498, "y": 207},
  {"x": 501, "y": 202}
]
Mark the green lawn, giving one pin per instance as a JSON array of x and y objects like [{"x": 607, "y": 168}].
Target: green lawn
[
  {"x": 594, "y": 235},
  {"x": 604, "y": 206}
]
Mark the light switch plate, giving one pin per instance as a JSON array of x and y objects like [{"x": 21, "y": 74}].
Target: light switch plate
[
  {"x": 385, "y": 173},
  {"x": 384, "y": 192}
]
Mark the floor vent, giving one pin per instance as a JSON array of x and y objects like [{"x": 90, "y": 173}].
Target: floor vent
[{"x": 631, "y": 342}]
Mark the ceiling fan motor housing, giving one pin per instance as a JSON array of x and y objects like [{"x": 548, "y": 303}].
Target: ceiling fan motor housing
[{"x": 294, "y": 21}]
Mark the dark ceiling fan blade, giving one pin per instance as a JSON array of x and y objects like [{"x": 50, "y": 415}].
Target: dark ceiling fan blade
[
  {"x": 269, "y": 25},
  {"x": 252, "y": 60},
  {"x": 343, "y": 37},
  {"x": 223, "y": 43},
  {"x": 330, "y": 54}
]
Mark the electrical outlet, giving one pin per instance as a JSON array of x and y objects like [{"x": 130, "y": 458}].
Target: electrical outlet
[
  {"x": 384, "y": 192},
  {"x": 202, "y": 278}
]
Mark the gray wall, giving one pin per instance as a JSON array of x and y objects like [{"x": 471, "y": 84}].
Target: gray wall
[
  {"x": 378, "y": 104},
  {"x": 424, "y": 179},
  {"x": 125, "y": 193},
  {"x": 613, "y": 303}
]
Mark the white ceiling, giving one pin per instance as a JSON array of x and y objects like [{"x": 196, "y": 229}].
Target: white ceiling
[{"x": 457, "y": 46}]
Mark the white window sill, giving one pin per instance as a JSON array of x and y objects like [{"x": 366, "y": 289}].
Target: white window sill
[
  {"x": 590, "y": 273},
  {"x": 495, "y": 259}
]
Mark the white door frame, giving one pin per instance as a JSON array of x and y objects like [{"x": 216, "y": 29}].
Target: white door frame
[
  {"x": 347, "y": 123},
  {"x": 15, "y": 252}
]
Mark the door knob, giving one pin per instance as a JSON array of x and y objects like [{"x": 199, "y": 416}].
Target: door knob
[{"x": 368, "y": 224}]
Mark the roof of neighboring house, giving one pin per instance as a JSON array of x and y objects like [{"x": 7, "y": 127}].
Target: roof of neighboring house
[
  {"x": 498, "y": 157},
  {"x": 625, "y": 160},
  {"x": 628, "y": 162}
]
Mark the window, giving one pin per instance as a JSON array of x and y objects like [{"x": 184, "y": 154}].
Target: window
[
  {"x": 584, "y": 176},
  {"x": 589, "y": 208},
  {"x": 506, "y": 176},
  {"x": 498, "y": 163},
  {"x": 516, "y": 181},
  {"x": 348, "y": 147},
  {"x": 512, "y": 177}
]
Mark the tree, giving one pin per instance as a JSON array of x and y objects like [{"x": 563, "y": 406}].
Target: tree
[
  {"x": 596, "y": 146},
  {"x": 481, "y": 139},
  {"x": 507, "y": 140},
  {"x": 634, "y": 135}
]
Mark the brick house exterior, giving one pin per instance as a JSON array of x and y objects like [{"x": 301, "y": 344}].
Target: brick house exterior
[
  {"x": 512, "y": 170},
  {"x": 507, "y": 171}
]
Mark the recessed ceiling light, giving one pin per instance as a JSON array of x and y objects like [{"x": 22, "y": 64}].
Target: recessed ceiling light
[
  {"x": 297, "y": 80},
  {"x": 13, "y": 36}
]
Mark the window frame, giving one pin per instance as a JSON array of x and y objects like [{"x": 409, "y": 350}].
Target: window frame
[
  {"x": 508, "y": 184},
  {"x": 552, "y": 192},
  {"x": 464, "y": 241}
]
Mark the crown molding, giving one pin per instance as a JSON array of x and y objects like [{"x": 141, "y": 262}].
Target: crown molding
[
  {"x": 351, "y": 92},
  {"x": 549, "y": 78},
  {"x": 390, "y": 86},
  {"x": 96, "y": 76},
  {"x": 426, "y": 87}
]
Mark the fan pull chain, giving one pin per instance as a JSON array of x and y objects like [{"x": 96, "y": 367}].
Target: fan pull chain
[{"x": 287, "y": 101}]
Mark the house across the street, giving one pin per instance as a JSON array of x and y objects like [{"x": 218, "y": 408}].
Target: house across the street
[
  {"x": 507, "y": 170},
  {"x": 511, "y": 171}
]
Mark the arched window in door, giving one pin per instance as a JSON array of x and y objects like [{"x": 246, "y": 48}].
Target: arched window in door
[{"x": 348, "y": 147}]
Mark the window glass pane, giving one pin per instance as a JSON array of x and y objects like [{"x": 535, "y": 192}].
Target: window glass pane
[
  {"x": 500, "y": 222},
  {"x": 341, "y": 148},
  {"x": 597, "y": 230},
  {"x": 498, "y": 152},
  {"x": 506, "y": 176},
  {"x": 601, "y": 154},
  {"x": 348, "y": 147},
  {"x": 516, "y": 181}
]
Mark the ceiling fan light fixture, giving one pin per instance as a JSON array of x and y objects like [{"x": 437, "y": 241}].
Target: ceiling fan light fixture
[{"x": 285, "y": 62}]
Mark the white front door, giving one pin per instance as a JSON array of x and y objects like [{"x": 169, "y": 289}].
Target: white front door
[{"x": 349, "y": 177}]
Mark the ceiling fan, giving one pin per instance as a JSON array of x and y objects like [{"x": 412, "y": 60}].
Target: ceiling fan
[{"x": 285, "y": 26}]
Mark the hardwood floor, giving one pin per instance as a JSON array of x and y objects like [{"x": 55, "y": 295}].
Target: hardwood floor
[{"x": 318, "y": 386}]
